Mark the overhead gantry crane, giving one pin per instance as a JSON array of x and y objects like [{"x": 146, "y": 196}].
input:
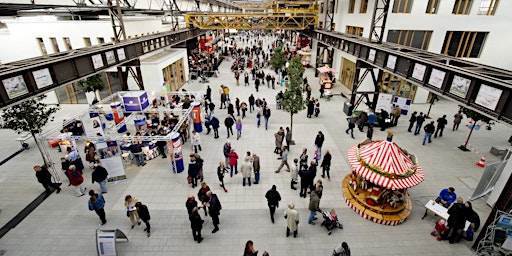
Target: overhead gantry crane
[{"x": 281, "y": 14}]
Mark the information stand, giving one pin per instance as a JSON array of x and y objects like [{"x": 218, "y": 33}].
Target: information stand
[{"x": 106, "y": 241}]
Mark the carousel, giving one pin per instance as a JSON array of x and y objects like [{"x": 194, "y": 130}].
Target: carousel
[{"x": 377, "y": 186}]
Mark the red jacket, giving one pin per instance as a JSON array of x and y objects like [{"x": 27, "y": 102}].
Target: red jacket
[
  {"x": 233, "y": 158},
  {"x": 75, "y": 177}
]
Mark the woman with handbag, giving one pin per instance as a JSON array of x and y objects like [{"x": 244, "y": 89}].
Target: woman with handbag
[{"x": 131, "y": 210}]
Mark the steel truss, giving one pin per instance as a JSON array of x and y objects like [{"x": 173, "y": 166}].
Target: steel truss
[
  {"x": 68, "y": 67},
  {"x": 380, "y": 15},
  {"x": 416, "y": 66},
  {"x": 298, "y": 21}
]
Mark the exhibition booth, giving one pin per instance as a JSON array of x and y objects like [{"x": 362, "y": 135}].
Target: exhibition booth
[{"x": 127, "y": 117}]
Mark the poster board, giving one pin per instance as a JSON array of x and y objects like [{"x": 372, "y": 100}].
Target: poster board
[
  {"x": 42, "y": 78},
  {"x": 110, "y": 158},
  {"x": 391, "y": 62},
  {"x": 460, "y": 86},
  {"x": 418, "y": 72},
  {"x": 384, "y": 102},
  {"x": 436, "y": 78},
  {"x": 106, "y": 241},
  {"x": 92, "y": 124},
  {"x": 403, "y": 103},
  {"x": 488, "y": 96},
  {"x": 97, "y": 61},
  {"x": 15, "y": 86}
]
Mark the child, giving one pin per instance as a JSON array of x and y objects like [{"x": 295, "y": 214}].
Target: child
[
  {"x": 439, "y": 229},
  {"x": 316, "y": 157},
  {"x": 238, "y": 128}
]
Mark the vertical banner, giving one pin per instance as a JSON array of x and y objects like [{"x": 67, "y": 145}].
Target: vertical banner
[
  {"x": 118, "y": 117},
  {"x": 174, "y": 147},
  {"x": 195, "y": 114},
  {"x": 110, "y": 158},
  {"x": 92, "y": 124},
  {"x": 403, "y": 103}
]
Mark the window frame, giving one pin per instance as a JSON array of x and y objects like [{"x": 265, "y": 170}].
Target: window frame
[
  {"x": 42, "y": 47},
  {"x": 55, "y": 44},
  {"x": 407, "y": 6},
  {"x": 351, "y": 6},
  {"x": 87, "y": 41},
  {"x": 354, "y": 30},
  {"x": 432, "y": 6},
  {"x": 406, "y": 38},
  {"x": 101, "y": 40},
  {"x": 466, "y": 8},
  {"x": 466, "y": 44},
  {"x": 491, "y": 8},
  {"x": 67, "y": 43},
  {"x": 363, "y": 7}
]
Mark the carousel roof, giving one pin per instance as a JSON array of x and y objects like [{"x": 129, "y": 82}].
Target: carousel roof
[{"x": 385, "y": 164}]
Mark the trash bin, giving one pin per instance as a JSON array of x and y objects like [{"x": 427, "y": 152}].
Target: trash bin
[{"x": 347, "y": 108}]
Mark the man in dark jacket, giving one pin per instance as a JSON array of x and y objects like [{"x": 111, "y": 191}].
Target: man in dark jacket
[
  {"x": 143, "y": 212},
  {"x": 382, "y": 120},
  {"x": 251, "y": 103},
  {"x": 226, "y": 150},
  {"x": 100, "y": 175},
  {"x": 161, "y": 143},
  {"x": 193, "y": 171},
  {"x": 429, "y": 130},
  {"x": 304, "y": 182},
  {"x": 319, "y": 142},
  {"x": 273, "y": 197},
  {"x": 231, "y": 108},
  {"x": 215, "y": 126},
  {"x": 441, "y": 123},
  {"x": 214, "y": 208},
  {"x": 326, "y": 165},
  {"x": 266, "y": 115},
  {"x": 412, "y": 120},
  {"x": 229, "y": 122},
  {"x": 196, "y": 223},
  {"x": 45, "y": 178},
  {"x": 419, "y": 122}
]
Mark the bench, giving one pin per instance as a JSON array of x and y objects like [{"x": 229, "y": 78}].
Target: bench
[{"x": 498, "y": 150}]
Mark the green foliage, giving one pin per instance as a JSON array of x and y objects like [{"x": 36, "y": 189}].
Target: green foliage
[
  {"x": 294, "y": 101},
  {"x": 29, "y": 116},
  {"x": 476, "y": 116},
  {"x": 278, "y": 60},
  {"x": 92, "y": 83}
]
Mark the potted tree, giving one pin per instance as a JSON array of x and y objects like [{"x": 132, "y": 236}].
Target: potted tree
[
  {"x": 293, "y": 100},
  {"x": 92, "y": 86}
]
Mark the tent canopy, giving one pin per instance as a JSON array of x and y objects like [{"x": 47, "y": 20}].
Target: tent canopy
[{"x": 385, "y": 164}]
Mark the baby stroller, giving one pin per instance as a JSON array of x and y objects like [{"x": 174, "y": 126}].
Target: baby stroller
[{"x": 331, "y": 221}]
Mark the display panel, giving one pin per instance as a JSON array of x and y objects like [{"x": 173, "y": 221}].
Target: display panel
[
  {"x": 371, "y": 55},
  {"x": 391, "y": 62},
  {"x": 418, "y": 72},
  {"x": 97, "y": 61},
  {"x": 436, "y": 78},
  {"x": 111, "y": 58},
  {"x": 42, "y": 78},
  {"x": 460, "y": 86},
  {"x": 15, "y": 86},
  {"x": 488, "y": 96}
]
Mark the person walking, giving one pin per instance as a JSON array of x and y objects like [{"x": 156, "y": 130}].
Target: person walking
[
  {"x": 384, "y": 115},
  {"x": 131, "y": 210},
  {"x": 351, "y": 125},
  {"x": 292, "y": 220},
  {"x": 251, "y": 103},
  {"x": 226, "y": 150},
  {"x": 237, "y": 106},
  {"x": 284, "y": 160},
  {"x": 249, "y": 249},
  {"x": 278, "y": 139},
  {"x": 412, "y": 120},
  {"x": 196, "y": 141},
  {"x": 429, "y": 130},
  {"x": 233, "y": 161},
  {"x": 319, "y": 142},
  {"x": 303, "y": 159},
  {"x": 304, "y": 181},
  {"x": 193, "y": 170},
  {"x": 310, "y": 107},
  {"x": 228, "y": 122},
  {"x": 256, "y": 167},
  {"x": 396, "y": 115},
  {"x": 259, "y": 113},
  {"x": 288, "y": 137},
  {"x": 45, "y": 178},
  {"x": 294, "y": 173},
  {"x": 97, "y": 204},
  {"x": 238, "y": 128},
  {"x": 441, "y": 123},
  {"x": 419, "y": 122},
  {"x": 215, "y": 126},
  {"x": 143, "y": 212},
  {"x": 266, "y": 115},
  {"x": 100, "y": 175},
  {"x": 196, "y": 223},
  {"x": 246, "y": 169},
  {"x": 372, "y": 117},
  {"x": 314, "y": 205},
  {"x": 136, "y": 149},
  {"x": 246, "y": 79},
  {"x": 76, "y": 180},
  {"x": 214, "y": 208},
  {"x": 326, "y": 165},
  {"x": 243, "y": 106},
  {"x": 273, "y": 197},
  {"x": 457, "y": 119},
  {"x": 221, "y": 170},
  {"x": 362, "y": 119}
]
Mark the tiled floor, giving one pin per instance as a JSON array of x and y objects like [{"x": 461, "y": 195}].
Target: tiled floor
[{"x": 62, "y": 225}]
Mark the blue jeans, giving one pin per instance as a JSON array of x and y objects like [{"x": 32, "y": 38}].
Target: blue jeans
[
  {"x": 251, "y": 108},
  {"x": 238, "y": 133},
  {"x": 266, "y": 123},
  {"x": 311, "y": 216},
  {"x": 139, "y": 158},
  {"x": 235, "y": 167},
  {"x": 103, "y": 186},
  {"x": 418, "y": 128},
  {"x": 319, "y": 149},
  {"x": 259, "y": 121},
  {"x": 256, "y": 177},
  {"x": 429, "y": 136}
]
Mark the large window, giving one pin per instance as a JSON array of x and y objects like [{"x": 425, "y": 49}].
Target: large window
[
  {"x": 55, "y": 45},
  {"x": 432, "y": 6},
  {"x": 402, "y": 6},
  {"x": 40, "y": 42},
  {"x": 462, "y": 7},
  {"x": 414, "y": 38},
  {"x": 87, "y": 41},
  {"x": 364, "y": 6},
  {"x": 101, "y": 40},
  {"x": 174, "y": 76},
  {"x": 351, "y": 6},
  {"x": 357, "y": 31},
  {"x": 464, "y": 44},
  {"x": 348, "y": 69},
  {"x": 488, "y": 7},
  {"x": 397, "y": 86}
]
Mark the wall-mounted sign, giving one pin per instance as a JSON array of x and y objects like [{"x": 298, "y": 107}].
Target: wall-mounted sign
[
  {"x": 42, "y": 78},
  {"x": 120, "y": 54},
  {"x": 371, "y": 55},
  {"x": 15, "y": 86},
  {"x": 436, "y": 78},
  {"x": 488, "y": 97},
  {"x": 391, "y": 62},
  {"x": 97, "y": 61},
  {"x": 418, "y": 72},
  {"x": 111, "y": 58},
  {"x": 460, "y": 86}
]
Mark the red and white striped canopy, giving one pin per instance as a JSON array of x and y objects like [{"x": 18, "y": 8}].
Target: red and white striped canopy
[{"x": 399, "y": 170}]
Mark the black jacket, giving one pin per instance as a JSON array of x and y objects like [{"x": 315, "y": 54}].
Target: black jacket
[
  {"x": 326, "y": 161},
  {"x": 99, "y": 174},
  {"x": 228, "y": 122},
  {"x": 273, "y": 197},
  {"x": 44, "y": 176},
  {"x": 429, "y": 128},
  {"x": 196, "y": 223},
  {"x": 143, "y": 212}
]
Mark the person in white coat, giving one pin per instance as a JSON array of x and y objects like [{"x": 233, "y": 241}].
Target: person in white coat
[
  {"x": 246, "y": 169},
  {"x": 294, "y": 173},
  {"x": 292, "y": 217},
  {"x": 196, "y": 141}
]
